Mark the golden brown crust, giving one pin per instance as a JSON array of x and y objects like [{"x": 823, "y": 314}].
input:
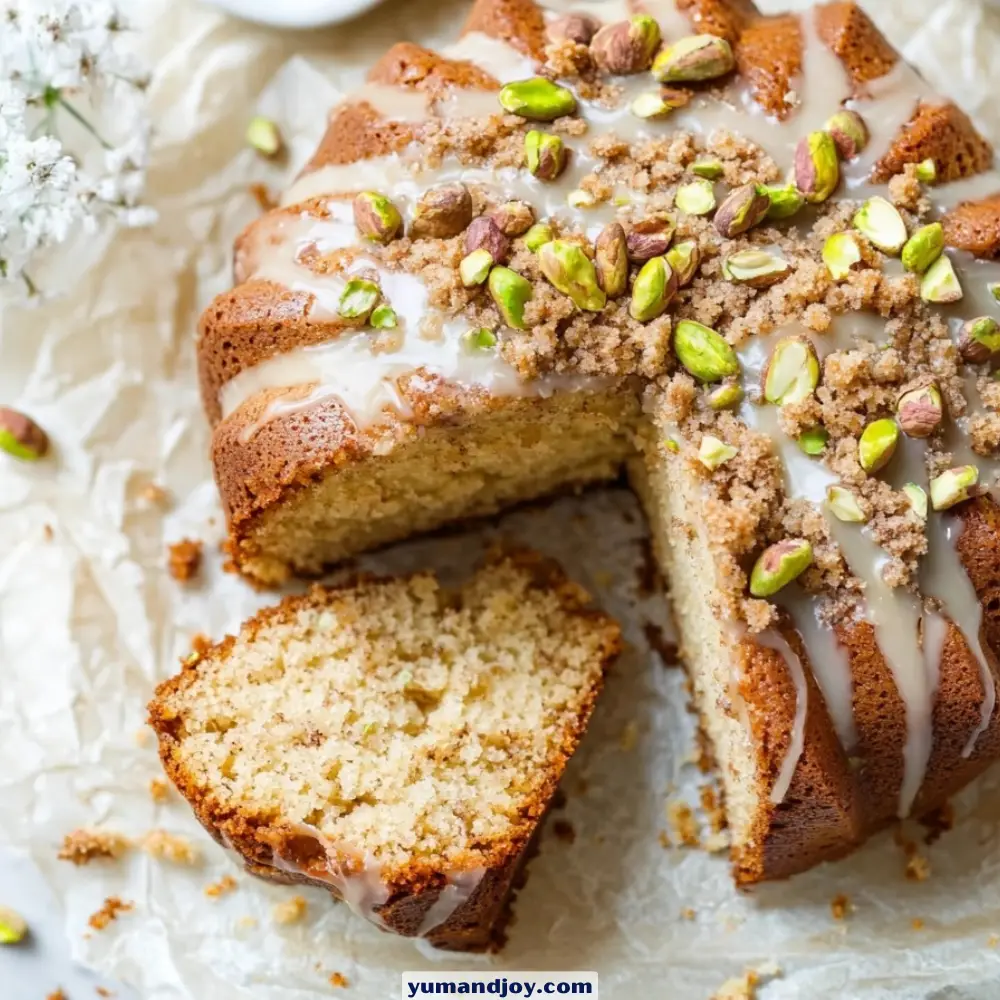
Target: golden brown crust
[
  {"x": 416, "y": 68},
  {"x": 358, "y": 132},
  {"x": 852, "y": 36},
  {"x": 520, "y": 23},
  {"x": 769, "y": 55},
  {"x": 726, "y": 18},
  {"x": 975, "y": 226}
]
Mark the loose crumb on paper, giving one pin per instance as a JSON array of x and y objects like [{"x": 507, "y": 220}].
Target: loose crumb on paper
[
  {"x": 154, "y": 494},
  {"x": 166, "y": 846},
  {"x": 184, "y": 559},
  {"x": 917, "y": 923},
  {"x": 87, "y": 843},
  {"x": 564, "y": 831},
  {"x": 159, "y": 790},
  {"x": 109, "y": 911},
  {"x": 687, "y": 913},
  {"x": 683, "y": 824},
  {"x": 225, "y": 884},
  {"x": 56, "y": 995},
  {"x": 290, "y": 911},
  {"x": 340, "y": 980},
  {"x": 918, "y": 868},
  {"x": 102, "y": 992},
  {"x": 841, "y": 907},
  {"x": 745, "y": 987},
  {"x": 200, "y": 643}
]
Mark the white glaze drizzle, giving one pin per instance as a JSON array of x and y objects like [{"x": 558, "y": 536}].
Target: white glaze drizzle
[{"x": 460, "y": 888}]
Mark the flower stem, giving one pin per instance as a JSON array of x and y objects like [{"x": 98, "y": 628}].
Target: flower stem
[{"x": 83, "y": 121}]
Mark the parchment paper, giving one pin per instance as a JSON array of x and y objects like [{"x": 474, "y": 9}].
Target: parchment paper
[{"x": 89, "y": 621}]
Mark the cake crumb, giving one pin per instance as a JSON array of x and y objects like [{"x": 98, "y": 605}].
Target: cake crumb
[
  {"x": 290, "y": 911},
  {"x": 917, "y": 923},
  {"x": 201, "y": 643},
  {"x": 109, "y": 911},
  {"x": 687, "y": 913},
  {"x": 56, "y": 995},
  {"x": 102, "y": 992},
  {"x": 184, "y": 559},
  {"x": 716, "y": 843},
  {"x": 918, "y": 868},
  {"x": 263, "y": 196},
  {"x": 339, "y": 980},
  {"x": 87, "y": 843},
  {"x": 683, "y": 824},
  {"x": 48, "y": 532},
  {"x": 564, "y": 831},
  {"x": 159, "y": 790},
  {"x": 745, "y": 987},
  {"x": 154, "y": 494},
  {"x": 169, "y": 847},
  {"x": 841, "y": 907},
  {"x": 216, "y": 889}
]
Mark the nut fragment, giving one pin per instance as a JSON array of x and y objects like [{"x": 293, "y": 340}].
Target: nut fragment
[
  {"x": 644, "y": 245},
  {"x": 376, "y": 217},
  {"x": 743, "y": 209},
  {"x": 923, "y": 248},
  {"x": 756, "y": 268},
  {"x": 778, "y": 565},
  {"x": 940, "y": 284},
  {"x": 711, "y": 170},
  {"x": 927, "y": 171},
  {"x": 878, "y": 444},
  {"x": 573, "y": 273},
  {"x": 511, "y": 292},
  {"x": 881, "y": 222},
  {"x": 785, "y": 200},
  {"x": 696, "y": 198},
  {"x": 814, "y": 440},
  {"x": 653, "y": 290},
  {"x": 685, "y": 259},
  {"x": 13, "y": 927},
  {"x": 712, "y": 452},
  {"x": 844, "y": 505},
  {"x": 918, "y": 499},
  {"x": 792, "y": 371},
  {"x": 383, "y": 317},
  {"x": 475, "y": 267},
  {"x": 979, "y": 340},
  {"x": 545, "y": 155},
  {"x": 842, "y": 254},
  {"x": 726, "y": 396},
  {"x": 537, "y": 99},
  {"x": 264, "y": 135},
  {"x": 573, "y": 27},
  {"x": 849, "y": 133},
  {"x": 694, "y": 58},
  {"x": 817, "y": 168},
  {"x": 626, "y": 47},
  {"x": 920, "y": 410},
  {"x": 611, "y": 259},
  {"x": 537, "y": 236},
  {"x": 484, "y": 234},
  {"x": 442, "y": 212},
  {"x": 514, "y": 218},
  {"x": 703, "y": 352},
  {"x": 481, "y": 339},
  {"x": 953, "y": 486},
  {"x": 21, "y": 437},
  {"x": 358, "y": 298},
  {"x": 580, "y": 198},
  {"x": 659, "y": 103}
]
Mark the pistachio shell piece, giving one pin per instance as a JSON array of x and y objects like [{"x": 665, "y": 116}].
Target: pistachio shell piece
[
  {"x": 844, "y": 506},
  {"x": 711, "y": 170},
  {"x": 881, "y": 222},
  {"x": 481, "y": 339},
  {"x": 627, "y": 46},
  {"x": 780, "y": 564},
  {"x": 953, "y": 486},
  {"x": 923, "y": 248},
  {"x": 920, "y": 410},
  {"x": 21, "y": 437},
  {"x": 376, "y": 217},
  {"x": 264, "y": 136},
  {"x": 475, "y": 267},
  {"x": 756, "y": 268},
  {"x": 842, "y": 254},
  {"x": 685, "y": 259},
  {"x": 13, "y": 927},
  {"x": 358, "y": 298},
  {"x": 693, "y": 59},
  {"x": 725, "y": 397},
  {"x": 659, "y": 103},
  {"x": 573, "y": 273},
  {"x": 940, "y": 283},
  {"x": 849, "y": 133},
  {"x": 927, "y": 171},
  {"x": 878, "y": 444},
  {"x": 653, "y": 290},
  {"x": 792, "y": 372},
  {"x": 817, "y": 167},
  {"x": 611, "y": 260},
  {"x": 743, "y": 209},
  {"x": 383, "y": 317},
  {"x": 696, "y": 198},
  {"x": 511, "y": 292},
  {"x": 545, "y": 155},
  {"x": 712, "y": 452},
  {"x": 785, "y": 200},
  {"x": 704, "y": 352},
  {"x": 979, "y": 340},
  {"x": 537, "y": 99},
  {"x": 814, "y": 440},
  {"x": 918, "y": 499},
  {"x": 537, "y": 236}
]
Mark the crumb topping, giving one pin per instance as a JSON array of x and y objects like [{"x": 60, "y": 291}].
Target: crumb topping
[
  {"x": 184, "y": 559},
  {"x": 109, "y": 912},
  {"x": 87, "y": 844}
]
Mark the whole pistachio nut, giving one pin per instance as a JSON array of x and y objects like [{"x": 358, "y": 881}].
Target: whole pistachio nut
[
  {"x": 358, "y": 298},
  {"x": 693, "y": 59},
  {"x": 917, "y": 497},
  {"x": 927, "y": 171},
  {"x": 842, "y": 254},
  {"x": 940, "y": 283},
  {"x": 953, "y": 486},
  {"x": 778, "y": 565},
  {"x": 537, "y": 236},
  {"x": 814, "y": 440},
  {"x": 923, "y": 248},
  {"x": 881, "y": 222},
  {"x": 756, "y": 268},
  {"x": 484, "y": 234},
  {"x": 571, "y": 271},
  {"x": 743, "y": 209},
  {"x": 511, "y": 292},
  {"x": 574, "y": 27},
  {"x": 817, "y": 167},
  {"x": 849, "y": 133},
  {"x": 844, "y": 506},
  {"x": 920, "y": 410},
  {"x": 653, "y": 290},
  {"x": 725, "y": 397},
  {"x": 703, "y": 352},
  {"x": 712, "y": 452},
  {"x": 685, "y": 259},
  {"x": 264, "y": 136},
  {"x": 514, "y": 218},
  {"x": 475, "y": 267},
  {"x": 878, "y": 444},
  {"x": 13, "y": 927},
  {"x": 383, "y": 317},
  {"x": 581, "y": 198},
  {"x": 658, "y": 103},
  {"x": 785, "y": 200},
  {"x": 545, "y": 155},
  {"x": 979, "y": 340},
  {"x": 537, "y": 99},
  {"x": 627, "y": 46},
  {"x": 376, "y": 217},
  {"x": 696, "y": 198},
  {"x": 481, "y": 339},
  {"x": 792, "y": 371},
  {"x": 611, "y": 260},
  {"x": 442, "y": 212},
  {"x": 21, "y": 437},
  {"x": 711, "y": 170}
]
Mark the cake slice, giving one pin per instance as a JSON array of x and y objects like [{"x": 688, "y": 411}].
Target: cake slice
[{"x": 392, "y": 741}]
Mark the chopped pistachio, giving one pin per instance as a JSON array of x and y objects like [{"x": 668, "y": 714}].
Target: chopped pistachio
[
  {"x": 927, "y": 171},
  {"x": 940, "y": 283},
  {"x": 579, "y": 198},
  {"x": 878, "y": 444},
  {"x": 711, "y": 170},
  {"x": 475, "y": 267},
  {"x": 756, "y": 268},
  {"x": 779, "y": 565},
  {"x": 264, "y": 136},
  {"x": 880, "y": 221},
  {"x": 672, "y": 445},
  {"x": 785, "y": 199},
  {"x": 923, "y": 248},
  {"x": 480, "y": 340},
  {"x": 952, "y": 487},
  {"x": 696, "y": 198},
  {"x": 704, "y": 352},
  {"x": 726, "y": 396},
  {"x": 358, "y": 298},
  {"x": 918, "y": 499},
  {"x": 844, "y": 505},
  {"x": 537, "y": 236},
  {"x": 841, "y": 254},
  {"x": 814, "y": 440},
  {"x": 712, "y": 452},
  {"x": 383, "y": 317},
  {"x": 792, "y": 372},
  {"x": 13, "y": 928}
]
